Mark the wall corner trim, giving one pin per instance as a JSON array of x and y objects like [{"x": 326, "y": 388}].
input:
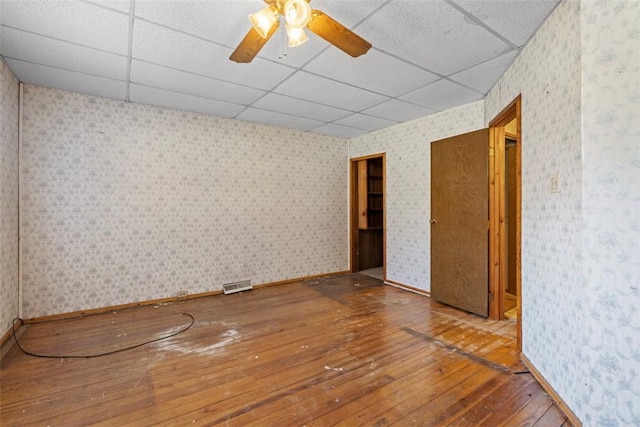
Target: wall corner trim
[
  {"x": 7, "y": 342},
  {"x": 20, "y": 216},
  {"x": 100, "y": 310},
  {"x": 550, "y": 390},
  {"x": 407, "y": 288}
]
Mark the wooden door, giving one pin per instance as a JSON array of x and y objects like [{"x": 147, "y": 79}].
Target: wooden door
[{"x": 459, "y": 221}]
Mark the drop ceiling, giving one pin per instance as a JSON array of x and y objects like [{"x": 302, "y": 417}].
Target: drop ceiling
[{"x": 427, "y": 56}]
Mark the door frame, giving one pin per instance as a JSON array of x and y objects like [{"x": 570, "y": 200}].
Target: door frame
[
  {"x": 497, "y": 229},
  {"x": 354, "y": 231}
]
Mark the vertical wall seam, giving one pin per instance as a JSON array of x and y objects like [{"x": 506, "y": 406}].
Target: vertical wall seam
[{"x": 20, "y": 113}]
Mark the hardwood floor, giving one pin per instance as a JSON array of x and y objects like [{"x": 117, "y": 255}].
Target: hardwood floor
[{"x": 346, "y": 350}]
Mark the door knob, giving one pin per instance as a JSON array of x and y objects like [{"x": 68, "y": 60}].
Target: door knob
[{"x": 433, "y": 221}]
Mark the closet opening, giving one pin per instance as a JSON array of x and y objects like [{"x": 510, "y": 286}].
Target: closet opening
[{"x": 368, "y": 215}]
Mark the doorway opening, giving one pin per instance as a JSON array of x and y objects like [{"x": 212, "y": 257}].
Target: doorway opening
[
  {"x": 368, "y": 215},
  {"x": 505, "y": 216},
  {"x": 510, "y": 308}
]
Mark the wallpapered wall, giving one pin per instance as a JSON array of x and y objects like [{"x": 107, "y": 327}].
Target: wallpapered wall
[
  {"x": 9, "y": 109},
  {"x": 547, "y": 74},
  {"x": 580, "y": 107},
  {"x": 124, "y": 202},
  {"x": 408, "y": 174},
  {"x": 611, "y": 212}
]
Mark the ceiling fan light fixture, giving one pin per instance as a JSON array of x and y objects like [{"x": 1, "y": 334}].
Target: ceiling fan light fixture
[
  {"x": 263, "y": 21},
  {"x": 297, "y": 17},
  {"x": 296, "y": 36},
  {"x": 297, "y": 13}
]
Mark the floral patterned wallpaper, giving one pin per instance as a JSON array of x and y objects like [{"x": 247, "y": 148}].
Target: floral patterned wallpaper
[
  {"x": 580, "y": 112},
  {"x": 9, "y": 109},
  {"x": 124, "y": 202},
  {"x": 547, "y": 74},
  {"x": 611, "y": 212},
  {"x": 408, "y": 174}
]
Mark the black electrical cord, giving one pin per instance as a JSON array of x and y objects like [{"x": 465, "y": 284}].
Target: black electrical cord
[{"x": 90, "y": 356}]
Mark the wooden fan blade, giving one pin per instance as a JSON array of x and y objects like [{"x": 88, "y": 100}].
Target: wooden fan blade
[
  {"x": 251, "y": 45},
  {"x": 337, "y": 34}
]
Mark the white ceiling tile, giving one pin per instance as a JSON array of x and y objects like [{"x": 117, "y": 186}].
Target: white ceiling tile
[
  {"x": 514, "y": 20},
  {"x": 328, "y": 92},
  {"x": 362, "y": 121},
  {"x": 482, "y": 77},
  {"x": 339, "y": 131},
  {"x": 73, "y": 21},
  {"x": 179, "y": 81},
  {"x": 433, "y": 35},
  {"x": 120, "y": 5},
  {"x": 298, "y": 107},
  {"x": 371, "y": 71},
  {"x": 179, "y": 101},
  {"x": 278, "y": 119},
  {"x": 55, "y": 53},
  {"x": 348, "y": 13},
  {"x": 398, "y": 110},
  {"x": 277, "y": 50},
  {"x": 173, "y": 49},
  {"x": 67, "y": 80},
  {"x": 442, "y": 95},
  {"x": 222, "y": 21}
]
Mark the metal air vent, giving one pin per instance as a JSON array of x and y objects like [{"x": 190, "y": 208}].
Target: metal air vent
[{"x": 230, "y": 288}]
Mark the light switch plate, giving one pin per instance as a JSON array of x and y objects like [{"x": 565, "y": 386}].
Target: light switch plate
[{"x": 554, "y": 183}]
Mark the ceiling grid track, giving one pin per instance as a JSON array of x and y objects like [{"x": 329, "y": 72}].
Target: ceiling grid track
[{"x": 132, "y": 11}]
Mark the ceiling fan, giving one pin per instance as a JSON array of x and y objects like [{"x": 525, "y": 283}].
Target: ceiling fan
[{"x": 297, "y": 15}]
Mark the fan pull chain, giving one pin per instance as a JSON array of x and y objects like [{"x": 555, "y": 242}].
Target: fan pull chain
[{"x": 282, "y": 42}]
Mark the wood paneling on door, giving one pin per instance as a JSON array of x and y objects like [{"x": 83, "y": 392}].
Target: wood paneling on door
[{"x": 459, "y": 218}]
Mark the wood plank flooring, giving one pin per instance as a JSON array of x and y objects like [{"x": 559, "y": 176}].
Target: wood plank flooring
[{"x": 345, "y": 350}]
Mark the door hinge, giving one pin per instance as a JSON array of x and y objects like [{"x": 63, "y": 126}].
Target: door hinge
[
  {"x": 492, "y": 152},
  {"x": 491, "y": 297}
]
